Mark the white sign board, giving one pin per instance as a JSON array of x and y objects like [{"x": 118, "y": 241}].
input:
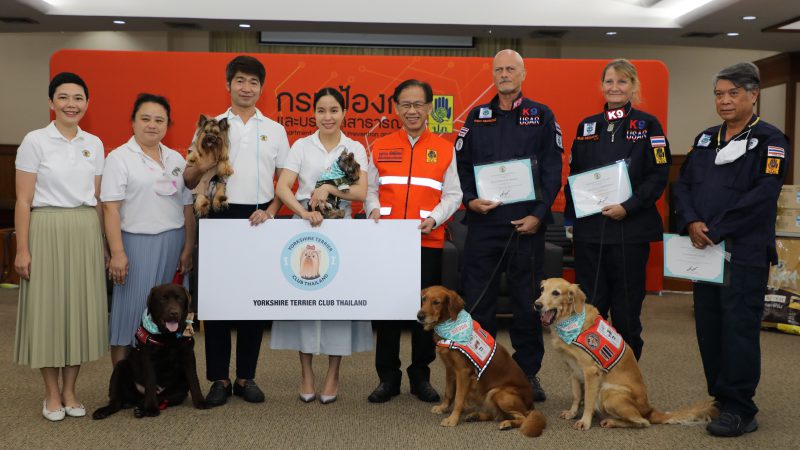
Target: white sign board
[{"x": 287, "y": 270}]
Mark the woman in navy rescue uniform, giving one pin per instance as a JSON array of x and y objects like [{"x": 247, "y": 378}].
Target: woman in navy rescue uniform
[{"x": 612, "y": 247}]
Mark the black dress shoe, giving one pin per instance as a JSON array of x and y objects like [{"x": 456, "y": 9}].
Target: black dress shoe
[
  {"x": 425, "y": 392},
  {"x": 384, "y": 392},
  {"x": 250, "y": 392},
  {"x": 538, "y": 391},
  {"x": 219, "y": 393},
  {"x": 731, "y": 425}
]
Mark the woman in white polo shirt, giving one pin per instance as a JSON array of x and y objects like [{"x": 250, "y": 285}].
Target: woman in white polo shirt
[
  {"x": 148, "y": 218},
  {"x": 62, "y": 318},
  {"x": 307, "y": 159}
]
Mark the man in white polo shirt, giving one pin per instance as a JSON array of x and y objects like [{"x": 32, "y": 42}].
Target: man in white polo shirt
[{"x": 257, "y": 149}]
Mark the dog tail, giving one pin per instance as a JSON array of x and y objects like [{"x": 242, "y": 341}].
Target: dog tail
[
  {"x": 534, "y": 424},
  {"x": 700, "y": 412}
]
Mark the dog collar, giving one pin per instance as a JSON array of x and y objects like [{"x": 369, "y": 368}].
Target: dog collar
[
  {"x": 568, "y": 329},
  {"x": 458, "y": 330}
]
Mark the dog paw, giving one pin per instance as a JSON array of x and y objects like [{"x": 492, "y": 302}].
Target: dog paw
[
  {"x": 440, "y": 409},
  {"x": 138, "y": 412},
  {"x": 505, "y": 425},
  {"x": 100, "y": 414},
  {"x": 582, "y": 424},
  {"x": 472, "y": 417},
  {"x": 200, "y": 404},
  {"x": 568, "y": 414},
  {"x": 607, "y": 423},
  {"x": 449, "y": 421}
]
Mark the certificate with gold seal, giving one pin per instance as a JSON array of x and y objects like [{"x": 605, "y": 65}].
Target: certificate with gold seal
[
  {"x": 595, "y": 189},
  {"x": 506, "y": 182}
]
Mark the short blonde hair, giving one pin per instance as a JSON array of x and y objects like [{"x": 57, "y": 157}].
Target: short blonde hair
[{"x": 628, "y": 70}]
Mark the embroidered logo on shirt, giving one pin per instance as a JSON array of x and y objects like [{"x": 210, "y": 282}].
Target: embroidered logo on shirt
[
  {"x": 776, "y": 152},
  {"x": 615, "y": 114},
  {"x": 589, "y": 128},
  {"x": 773, "y": 166},
  {"x": 752, "y": 144},
  {"x": 263, "y": 137},
  {"x": 459, "y": 144},
  {"x": 176, "y": 171},
  {"x": 86, "y": 153},
  {"x": 634, "y": 124},
  {"x": 431, "y": 156},
  {"x": 660, "y": 154},
  {"x": 529, "y": 120},
  {"x": 390, "y": 155},
  {"x": 635, "y": 135},
  {"x": 485, "y": 113},
  {"x": 704, "y": 140},
  {"x": 463, "y": 132},
  {"x": 658, "y": 141}
]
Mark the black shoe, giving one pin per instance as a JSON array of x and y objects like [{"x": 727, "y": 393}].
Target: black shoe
[
  {"x": 538, "y": 391},
  {"x": 219, "y": 393},
  {"x": 249, "y": 392},
  {"x": 425, "y": 392},
  {"x": 731, "y": 425},
  {"x": 384, "y": 392}
]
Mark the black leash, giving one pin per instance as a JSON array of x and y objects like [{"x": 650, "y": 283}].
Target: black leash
[
  {"x": 599, "y": 260},
  {"x": 496, "y": 267}
]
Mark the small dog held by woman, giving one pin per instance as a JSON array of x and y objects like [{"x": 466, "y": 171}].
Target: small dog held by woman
[
  {"x": 603, "y": 373},
  {"x": 161, "y": 369},
  {"x": 481, "y": 374}
]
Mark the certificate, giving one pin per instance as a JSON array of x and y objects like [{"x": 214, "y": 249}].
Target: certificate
[
  {"x": 683, "y": 260},
  {"x": 287, "y": 270},
  {"x": 595, "y": 189},
  {"x": 505, "y": 182}
]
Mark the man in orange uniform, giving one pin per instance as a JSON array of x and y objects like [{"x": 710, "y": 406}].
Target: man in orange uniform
[{"x": 412, "y": 175}]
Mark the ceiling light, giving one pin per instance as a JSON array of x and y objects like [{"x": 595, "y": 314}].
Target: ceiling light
[
  {"x": 119, "y": 22},
  {"x": 749, "y": 17},
  {"x": 732, "y": 34},
  {"x": 244, "y": 25},
  {"x": 611, "y": 33}
]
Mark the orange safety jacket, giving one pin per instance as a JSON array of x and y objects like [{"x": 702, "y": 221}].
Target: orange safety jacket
[{"x": 410, "y": 179}]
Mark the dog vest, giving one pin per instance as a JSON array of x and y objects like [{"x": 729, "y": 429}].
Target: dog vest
[
  {"x": 479, "y": 348},
  {"x": 603, "y": 343}
]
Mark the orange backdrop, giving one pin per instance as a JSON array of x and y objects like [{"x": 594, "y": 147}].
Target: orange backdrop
[{"x": 195, "y": 84}]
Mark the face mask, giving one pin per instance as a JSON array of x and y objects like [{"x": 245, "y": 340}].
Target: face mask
[
  {"x": 166, "y": 187},
  {"x": 733, "y": 151},
  {"x": 568, "y": 329}
]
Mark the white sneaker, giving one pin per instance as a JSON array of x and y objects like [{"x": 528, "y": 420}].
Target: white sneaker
[
  {"x": 75, "y": 411},
  {"x": 53, "y": 416}
]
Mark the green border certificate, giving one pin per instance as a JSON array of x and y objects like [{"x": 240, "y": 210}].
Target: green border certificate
[
  {"x": 505, "y": 182},
  {"x": 683, "y": 260},
  {"x": 595, "y": 189}
]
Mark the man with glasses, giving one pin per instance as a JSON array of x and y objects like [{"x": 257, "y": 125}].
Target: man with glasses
[
  {"x": 412, "y": 175},
  {"x": 509, "y": 236}
]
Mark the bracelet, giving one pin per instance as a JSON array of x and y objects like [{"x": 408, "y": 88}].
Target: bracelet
[{"x": 269, "y": 214}]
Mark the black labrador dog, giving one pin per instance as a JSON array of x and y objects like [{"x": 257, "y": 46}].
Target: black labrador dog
[{"x": 161, "y": 369}]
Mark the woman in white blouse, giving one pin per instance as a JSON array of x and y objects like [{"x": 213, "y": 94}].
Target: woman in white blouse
[
  {"x": 308, "y": 158},
  {"x": 148, "y": 219},
  {"x": 62, "y": 318}
]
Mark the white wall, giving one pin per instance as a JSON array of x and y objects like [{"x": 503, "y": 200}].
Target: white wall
[{"x": 26, "y": 68}]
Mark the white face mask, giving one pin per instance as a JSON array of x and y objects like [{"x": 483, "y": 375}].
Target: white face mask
[{"x": 733, "y": 151}]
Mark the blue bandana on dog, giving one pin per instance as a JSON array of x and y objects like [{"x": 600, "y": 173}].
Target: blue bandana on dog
[
  {"x": 568, "y": 329},
  {"x": 458, "y": 330}
]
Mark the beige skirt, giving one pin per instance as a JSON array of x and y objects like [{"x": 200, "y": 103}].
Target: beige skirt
[{"x": 62, "y": 318}]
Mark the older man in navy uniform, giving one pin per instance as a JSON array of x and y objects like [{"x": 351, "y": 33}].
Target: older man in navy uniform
[
  {"x": 510, "y": 127},
  {"x": 728, "y": 191}
]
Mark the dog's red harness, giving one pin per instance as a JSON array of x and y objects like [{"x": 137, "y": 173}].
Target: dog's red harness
[
  {"x": 603, "y": 343},
  {"x": 479, "y": 350},
  {"x": 145, "y": 337}
]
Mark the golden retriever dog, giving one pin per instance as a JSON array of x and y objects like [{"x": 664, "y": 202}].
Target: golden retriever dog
[
  {"x": 618, "y": 391},
  {"x": 211, "y": 144},
  {"x": 309, "y": 263},
  {"x": 501, "y": 392}
]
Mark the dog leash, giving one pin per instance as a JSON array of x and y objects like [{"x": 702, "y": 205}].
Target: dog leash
[{"x": 494, "y": 271}]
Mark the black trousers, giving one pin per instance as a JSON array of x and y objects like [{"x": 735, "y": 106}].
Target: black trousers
[
  {"x": 249, "y": 333},
  {"x": 523, "y": 265},
  {"x": 728, "y": 324},
  {"x": 423, "y": 350},
  {"x": 621, "y": 284}
]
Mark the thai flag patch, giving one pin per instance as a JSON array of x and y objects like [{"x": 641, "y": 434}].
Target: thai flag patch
[
  {"x": 775, "y": 152},
  {"x": 658, "y": 141},
  {"x": 463, "y": 132}
]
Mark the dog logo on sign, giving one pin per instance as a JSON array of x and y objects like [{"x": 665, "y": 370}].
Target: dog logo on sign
[{"x": 309, "y": 261}]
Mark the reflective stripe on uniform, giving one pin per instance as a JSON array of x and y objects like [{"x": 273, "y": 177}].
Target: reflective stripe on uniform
[
  {"x": 427, "y": 182},
  {"x": 392, "y": 180},
  {"x": 424, "y": 214},
  {"x": 386, "y": 210}
]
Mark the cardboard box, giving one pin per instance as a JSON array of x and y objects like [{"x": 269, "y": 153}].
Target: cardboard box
[
  {"x": 790, "y": 197},
  {"x": 787, "y": 221}
]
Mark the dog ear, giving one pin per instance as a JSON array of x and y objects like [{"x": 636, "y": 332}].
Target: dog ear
[
  {"x": 202, "y": 121},
  {"x": 223, "y": 124},
  {"x": 455, "y": 304},
  {"x": 576, "y": 295}
]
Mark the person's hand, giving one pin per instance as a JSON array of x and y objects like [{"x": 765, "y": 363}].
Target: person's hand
[
  {"x": 482, "y": 206},
  {"x": 427, "y": 225},
  {"x": 314, "y": 217},
  {"x": 260, "y": 216},
  {"x": 568, "y": 232},
  {"x": 118, "y": 268},
  {"x": 185, "y": 262},
  {"x": 697, "y": 234},
  {"x": 22, "y": 264},
  {"x": 616, "y": 212},
  {"x": 319, "y": 196},
  {"x": 527, "y": 225},
  {"x": 375, "y": 215}
]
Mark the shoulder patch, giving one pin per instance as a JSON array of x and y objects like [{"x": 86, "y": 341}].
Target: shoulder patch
[
  {"x": 463, "y": 132},
  {"x": 704, "y": 140},
  {"x": 658, "y": 141},
  {"x": 775, "y": 152}
]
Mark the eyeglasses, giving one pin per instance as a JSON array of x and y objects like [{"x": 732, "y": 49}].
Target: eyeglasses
[{"x": 407, "y": 106}]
